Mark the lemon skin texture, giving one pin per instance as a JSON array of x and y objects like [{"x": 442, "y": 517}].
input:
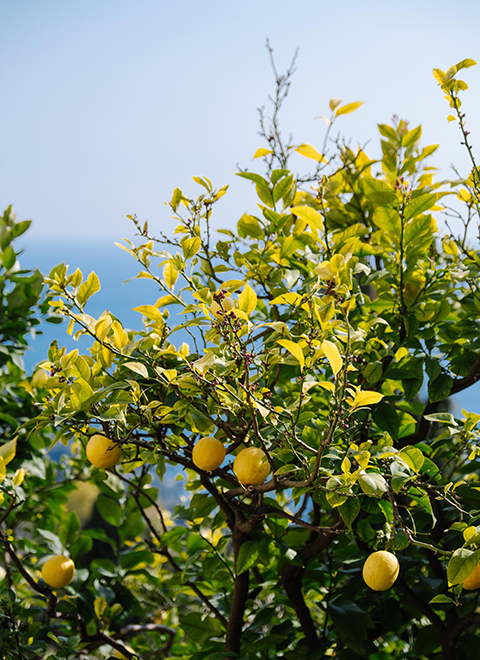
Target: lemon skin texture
[
  {"x": 251, "y": 466},
  {"x": 208, "y": 454},
  {"x": 58, "y": 571},
  {"x": 102, "y": 452},
  {"x": 380, "y": 570},
  {"x": 473, "y": 580}
]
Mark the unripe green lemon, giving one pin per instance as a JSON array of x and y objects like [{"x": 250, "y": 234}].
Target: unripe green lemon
[
  {"x": 58, "y": 571},
  {"x": 251, "y": 466},
  {"x": 473, "y": 580},
  {"x": 380, "y": 570},
  {"x": 208, "y": 453},
  {"x": 103, "y": 452}
]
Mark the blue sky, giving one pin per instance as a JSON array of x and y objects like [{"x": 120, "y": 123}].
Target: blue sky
[{"x": 108, "y": 105}]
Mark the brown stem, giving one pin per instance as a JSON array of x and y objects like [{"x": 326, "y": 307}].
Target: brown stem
[{"x": 240, "y": 591}]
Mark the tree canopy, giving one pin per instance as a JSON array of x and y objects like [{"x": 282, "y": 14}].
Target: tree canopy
[{"x": 324, "y": 335}]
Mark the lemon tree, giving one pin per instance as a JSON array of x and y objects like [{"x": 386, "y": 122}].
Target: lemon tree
[{"x": 330, "y": 499}]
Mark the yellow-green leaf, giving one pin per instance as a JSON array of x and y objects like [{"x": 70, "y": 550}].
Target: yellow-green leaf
[
  {"x": 247, "y": 300},
  {"x": 439, "y": 75},
  {"x": 150, "y": 312},
  {"x": 366, "y": 398},
  {"x": 289, "y": 298},
  {"x": 19, "y": 477},
  {"x": 8, "y": 450},
  {"x": 333, "y": 356},
  {"x": 347, "y": 109},
  {"x": 120, "y": 337},
  {"x": 294, "y": 349},
  {"x": 262, "y": 152},
  {"x": 307, "y": 213},
  {"x": 3, "y": 469},
  {"x": 103, "y": 326},
  {"x": 170, "y": 274},
  {"x": 310, "y": 152},
  {"x": 191, "y": 246},
  {"x": 88, "y": 288}
]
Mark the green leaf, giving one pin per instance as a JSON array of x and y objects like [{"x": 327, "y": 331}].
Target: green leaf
[
  {"x": 441, "y": 598},
  {"x": 349, "y": 510},
  {"x": 413, "y": 457},
  {"x": 247, "y": 556},
  {"x": 410, "y": 137},
  {"x": 137, "y": 367},
  {"x": 265, "y": 196},
  {"x": 8, "y": 257},
  {"x": 310, "y": 215},
  {"x": 248, "y": 225},
  {"x": 372, "y": 484},
  {"x": 444, "y": 417},
  {"x": 259, "y": 180},
  {"x": 439, "y": 389},
  {"x": 110, "y": 510},
  {"x": 69, "y": 528},
  {"x": 379, "y": 192},
  {"x": 386, "y": 418},
  {"x": 200, "y": 630},
  {"x": 88, "y": 288},
  {"x": 462, "y": 563}
]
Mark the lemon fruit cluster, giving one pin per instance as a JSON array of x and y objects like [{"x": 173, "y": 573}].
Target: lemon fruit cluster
[
  {"x": 208, "y": 453},
  {"x": 103, "y": 452},
  {"x": 58, "y": 571},
  {"x": 251, "y": 466},
  {"x": 380, "y": 570}
]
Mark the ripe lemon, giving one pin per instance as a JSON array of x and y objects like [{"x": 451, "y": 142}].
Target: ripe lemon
[
  {"x": 58, "y": 571},
  {"x": 473, "y": 580},
  {"x": 103, "y": 452},
  {"x": 208, "y": 454},
  {"x": 251, "y": 466},
  {"x": 380, "y": 570}
]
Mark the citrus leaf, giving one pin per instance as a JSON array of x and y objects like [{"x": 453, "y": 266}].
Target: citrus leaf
[
  {"x": 294, "y": 349},
  {"x": 333, "y": 356}
]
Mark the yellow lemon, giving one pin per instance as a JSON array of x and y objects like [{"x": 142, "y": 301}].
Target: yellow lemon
[
  {"x": 473, "y": 580},
  {"x": 251, "y": 466},
  {"x": 58, "y": 571},
  {"x": 208, "y": 454},
  {"x": 380, "y": 570},
  {"x": 103, "y": 452}
]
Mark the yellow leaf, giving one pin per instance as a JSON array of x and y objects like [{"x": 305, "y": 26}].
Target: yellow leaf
[
  {"x": 310, "y": 152},
  {"x": 8, "y": 450},
  {"x": 451, "y": 118},
  {"x": 327, "y": 386},
  {"x": 290, "y": 298},
  {"x": 150, "y": 312},
  {"x": 334, "y": 103},
  {"x": 439, "y": 75},
  {"x": 19, "y": 477},
  {"x": 247, "y": 300},
  {"x": 262, "y": 152},
  {"x": 3, "y": 469},
  {"x": 120, "y": 337},
  {"x": 103, "y": 326},
  {"x": 332, "y": 355},
  {"x": 464, "y": 196},
  {"x": 170, "y": 274},
  {"x": 347, "y": 109},
  {"x": 309, "y": 214},
  {"x": 346, "y": 465},
  {"x": 402, "y": 351},
  {"x": 366, "y": 398},
  {"x": 294, "y": 349}
]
